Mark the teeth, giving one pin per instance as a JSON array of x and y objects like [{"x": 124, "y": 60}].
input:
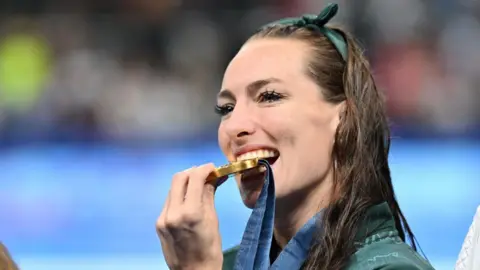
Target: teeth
[{"x": 257, "y": 154}]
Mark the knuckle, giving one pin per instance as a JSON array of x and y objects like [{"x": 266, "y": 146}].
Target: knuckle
[
  {"x": 186, "y": 218},
  {"x": 173, "y": 221},
  {"x": 209, "y": 166},
  {"x": 179, "y": 178},
  {"x": 204, "y": 170},
  {"x": 178, "y": 175},
  {"x": 160, "y": 225},
  {"x": 192, "y": 217}
]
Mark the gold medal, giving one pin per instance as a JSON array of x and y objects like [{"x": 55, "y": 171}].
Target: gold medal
[{"x": 233, "y": 168}]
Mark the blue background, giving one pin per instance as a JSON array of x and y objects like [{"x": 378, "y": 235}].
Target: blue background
[{"x": 94, "y": 207}]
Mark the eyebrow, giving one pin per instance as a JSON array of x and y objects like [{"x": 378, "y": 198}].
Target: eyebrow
[{"x": 252, "y": 88}]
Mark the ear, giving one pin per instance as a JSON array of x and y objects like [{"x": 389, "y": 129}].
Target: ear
[{"x": 339, "y": 111}]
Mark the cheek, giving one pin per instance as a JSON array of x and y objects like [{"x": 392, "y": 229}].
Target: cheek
[
  {"x": 316, "y": 143},
  {"x": 280, "y": 126},
  {"x": 306, "y": 139},
  {"x": 317, "y": 139},
  {"x": 223, "y": 143}
]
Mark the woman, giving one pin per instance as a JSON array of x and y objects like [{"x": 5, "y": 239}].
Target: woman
[{"x": 301, "y": 96}]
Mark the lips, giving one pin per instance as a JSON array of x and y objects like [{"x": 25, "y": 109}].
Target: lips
[
  {"x": 269, "y": 155},
  {"x": 253, "y": 179}
]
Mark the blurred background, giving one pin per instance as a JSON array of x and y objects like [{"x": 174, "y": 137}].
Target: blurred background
[{"x": 101, "y": 102}]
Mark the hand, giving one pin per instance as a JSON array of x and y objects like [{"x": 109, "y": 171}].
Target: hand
[{"x": 188, "y": 225}]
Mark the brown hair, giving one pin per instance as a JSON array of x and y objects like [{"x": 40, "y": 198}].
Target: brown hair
[
  {"x": 6, "y": 261},
  {"x": 360, "y": 152}
]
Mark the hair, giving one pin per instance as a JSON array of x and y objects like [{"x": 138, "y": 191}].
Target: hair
[
  {"x": 360, "y": 152},
  {"x": 6, "y": 261}
]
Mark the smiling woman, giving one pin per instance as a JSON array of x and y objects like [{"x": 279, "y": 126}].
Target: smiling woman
[{"x": 300, "y": 96}]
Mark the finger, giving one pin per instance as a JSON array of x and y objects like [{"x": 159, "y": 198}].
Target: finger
[
  {"x": 161, "y": 219},
  {"x": 163, "y": 235},
  {"x": 196, "y": 184},
  {"x": 178, "y": 189},
  {"x": 208, "y": 195}
]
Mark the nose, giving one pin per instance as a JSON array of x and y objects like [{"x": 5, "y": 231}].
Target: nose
[{"x": 240, "y": 124}]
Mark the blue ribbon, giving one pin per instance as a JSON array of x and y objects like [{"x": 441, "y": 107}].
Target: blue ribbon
[{"x": 254, "y": 251}]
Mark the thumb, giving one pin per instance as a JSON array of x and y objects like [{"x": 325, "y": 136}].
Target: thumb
[{"x": 209, "y": 192}]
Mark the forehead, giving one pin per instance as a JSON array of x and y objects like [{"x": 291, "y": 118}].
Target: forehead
[{"x": 266, "y": 58}]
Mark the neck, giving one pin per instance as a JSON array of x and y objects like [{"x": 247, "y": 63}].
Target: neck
[{"x": 293, "y": 212}]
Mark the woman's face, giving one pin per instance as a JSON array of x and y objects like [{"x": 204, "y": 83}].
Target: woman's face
[{"x": 271, "y": 109}]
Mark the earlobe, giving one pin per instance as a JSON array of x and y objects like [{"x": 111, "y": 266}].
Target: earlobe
[{"x": 339, "y": 112}]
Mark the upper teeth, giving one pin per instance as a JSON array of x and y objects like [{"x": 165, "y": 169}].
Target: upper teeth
[{"x": 257, "y": 154}]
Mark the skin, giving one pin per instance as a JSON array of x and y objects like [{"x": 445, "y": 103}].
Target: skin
[
  {"x": 271, "y": 103},
  {"x": 188, "y": 225}
]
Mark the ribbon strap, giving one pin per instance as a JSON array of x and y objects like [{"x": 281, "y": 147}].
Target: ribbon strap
[
  {"x": 254, "y": 252},
  {"x": 317, "y": 23}
]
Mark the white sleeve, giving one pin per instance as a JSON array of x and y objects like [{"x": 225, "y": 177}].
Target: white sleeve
[{"x": 469, "y": 257}]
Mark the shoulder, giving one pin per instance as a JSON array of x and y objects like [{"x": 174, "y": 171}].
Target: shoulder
[
  {"x": 386, "y": 251},
  {"x": 229, "y": 257}
]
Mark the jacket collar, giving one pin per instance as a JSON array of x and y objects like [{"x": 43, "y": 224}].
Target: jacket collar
[{"x": 378, "y": 220}]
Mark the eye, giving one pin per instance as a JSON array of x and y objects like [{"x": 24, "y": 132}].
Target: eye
[
  {"x": 269, "y": 96},
  {"x": 223, "y": 110}
]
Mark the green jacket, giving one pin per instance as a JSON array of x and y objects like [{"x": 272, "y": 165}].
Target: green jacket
[{"x": 382, "y": 249}]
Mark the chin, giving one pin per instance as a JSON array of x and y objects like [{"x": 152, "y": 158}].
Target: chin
[{"x": 250, "y": 198}]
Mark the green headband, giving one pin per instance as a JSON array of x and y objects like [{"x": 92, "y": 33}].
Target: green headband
[{"x": 317, "y": 22}]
